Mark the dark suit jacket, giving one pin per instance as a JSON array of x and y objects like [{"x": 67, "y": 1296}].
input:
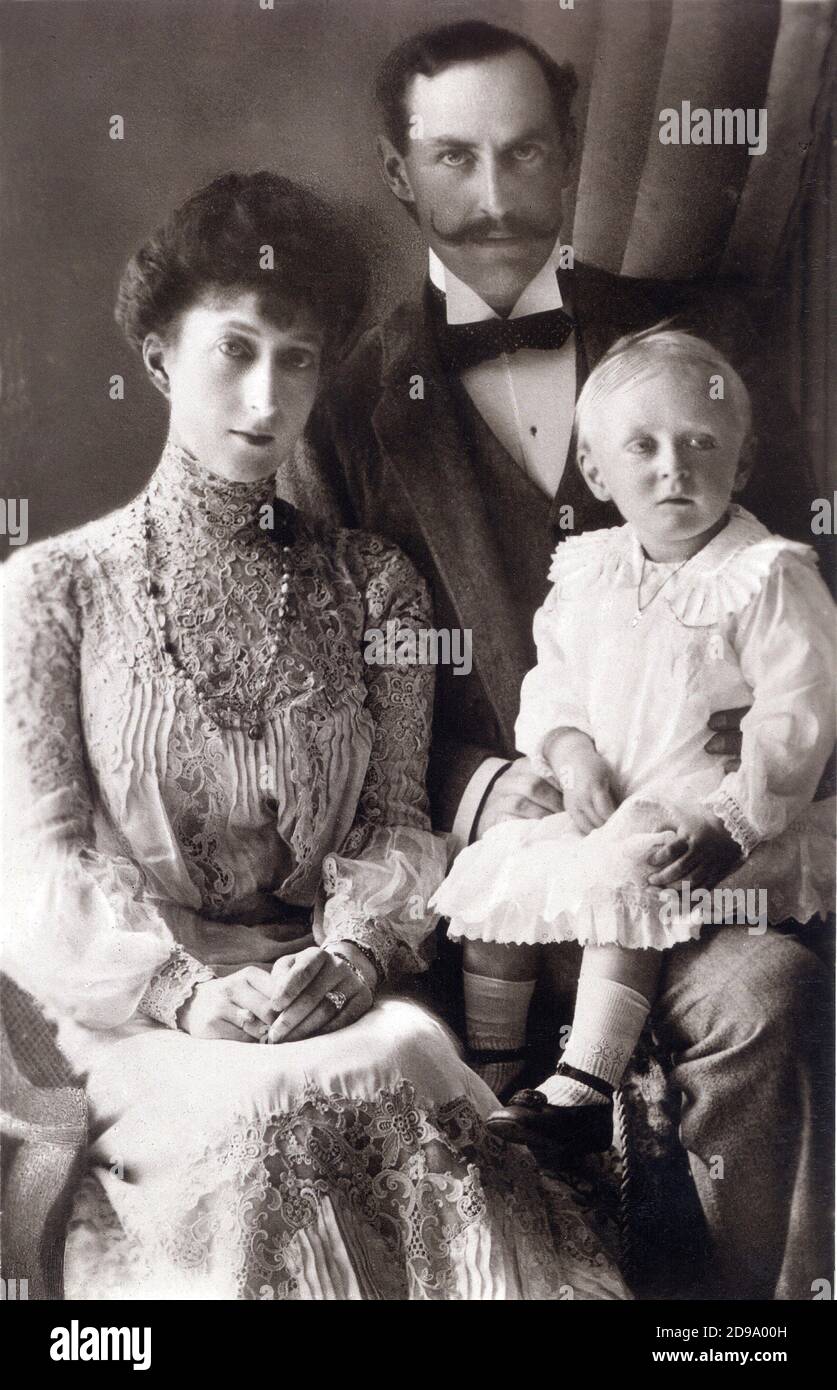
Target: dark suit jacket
[{"x": 395, "y": 460}]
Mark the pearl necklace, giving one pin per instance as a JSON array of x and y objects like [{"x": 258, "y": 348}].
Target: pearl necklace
[
  {"x": 640, "y": 610},
  {"x": 240, "y": 713}
]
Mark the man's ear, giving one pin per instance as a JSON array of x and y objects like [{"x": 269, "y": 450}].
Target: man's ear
[
  {"x": 592, "y": 473},
  {"x": 746, "y": 460},
  {"x": 394, "y": 170},
  {"x": 154, "y": 357}
]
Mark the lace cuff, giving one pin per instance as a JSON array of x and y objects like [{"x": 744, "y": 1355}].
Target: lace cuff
[
  {"x": 169, "y": 989},
  {"x": 726, "y": 808},
  {"x": 372, "y": 937}
]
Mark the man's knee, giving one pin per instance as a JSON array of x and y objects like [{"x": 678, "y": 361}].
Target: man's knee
[
  {"x": 768, "y": 991},
  {"x": 785, "y": 992}
]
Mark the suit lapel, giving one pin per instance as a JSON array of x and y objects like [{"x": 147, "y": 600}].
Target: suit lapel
[{"x": 427, "y": 450}]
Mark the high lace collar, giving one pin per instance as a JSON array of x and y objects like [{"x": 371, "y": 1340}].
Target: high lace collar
[{"x": 183, "y": 489}]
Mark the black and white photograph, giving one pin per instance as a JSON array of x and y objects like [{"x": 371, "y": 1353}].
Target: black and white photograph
[{"x": 419, "y": 653}]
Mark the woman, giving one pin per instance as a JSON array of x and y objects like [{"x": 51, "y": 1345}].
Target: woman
[{"x": 222, "y": 812}]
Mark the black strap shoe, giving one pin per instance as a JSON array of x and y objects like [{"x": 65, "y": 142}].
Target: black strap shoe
[{"x": 528, "y": 1118}]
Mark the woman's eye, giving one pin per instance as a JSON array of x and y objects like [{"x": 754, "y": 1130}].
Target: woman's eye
[
  {"x": 455, "y": 159},
  {"x": 701, "y": 441},
  {"x": 526, "y": 153},
  {"x": 232, "y": 347}
]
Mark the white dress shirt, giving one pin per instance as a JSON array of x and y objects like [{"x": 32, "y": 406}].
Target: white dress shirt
[{"x": 527, "y": 400}]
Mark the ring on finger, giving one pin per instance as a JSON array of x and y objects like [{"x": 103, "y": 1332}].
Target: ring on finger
[{"x": 336, "y": 998}]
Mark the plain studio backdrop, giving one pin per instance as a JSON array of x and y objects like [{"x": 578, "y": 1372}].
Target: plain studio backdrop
[{"x": 209, "y": 85}]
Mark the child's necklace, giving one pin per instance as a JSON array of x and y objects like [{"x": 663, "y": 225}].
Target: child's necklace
[{"x": 642, "y": 609}]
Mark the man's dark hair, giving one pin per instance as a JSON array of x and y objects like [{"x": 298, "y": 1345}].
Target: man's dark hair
[
  {"x": 434, "y": 50},
  {"x": 215, "y": 241}
]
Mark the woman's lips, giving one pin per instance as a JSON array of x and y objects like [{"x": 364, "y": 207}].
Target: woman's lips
[{"x": 258, "y": 440}]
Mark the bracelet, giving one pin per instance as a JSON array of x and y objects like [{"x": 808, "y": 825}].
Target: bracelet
[
  {"x": 486, "y": 794},
  {"x": 373, "y": 957},
  {"x": 338, "y": 955}
]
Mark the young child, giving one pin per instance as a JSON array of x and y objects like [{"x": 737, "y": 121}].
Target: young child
[{"x": 688, "y": 608}]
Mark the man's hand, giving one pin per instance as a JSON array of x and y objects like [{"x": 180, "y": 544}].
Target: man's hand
[
  {"x": 520, "y": 793},
  {"x": 236, "y": 1007},
  {"x": 726, "y": 735},
  {"x": 584, "y": 777},
  {"x": 301, "y": 984},
  {"x": 702, "y": 853}
]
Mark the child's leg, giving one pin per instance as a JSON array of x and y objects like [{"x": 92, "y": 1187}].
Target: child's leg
[
  {"x": 616, "y": 988},
  {"x": 498, "y": 982}
]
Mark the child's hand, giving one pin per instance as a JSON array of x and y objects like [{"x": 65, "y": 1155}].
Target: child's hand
[
  {"x": 701, "y": 853},
  {"x": 584, "y": 778}
]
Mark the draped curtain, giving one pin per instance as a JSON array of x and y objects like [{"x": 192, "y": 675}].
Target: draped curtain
[
  {"x": 644, "y": 208},
  {"x": 213, "y": 84}
]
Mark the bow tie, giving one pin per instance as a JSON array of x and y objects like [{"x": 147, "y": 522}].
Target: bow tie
[{"x": 467, "y": 344}]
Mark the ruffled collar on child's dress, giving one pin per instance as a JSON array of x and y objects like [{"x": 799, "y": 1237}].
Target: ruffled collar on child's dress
[{"x": 721, "y": 579}]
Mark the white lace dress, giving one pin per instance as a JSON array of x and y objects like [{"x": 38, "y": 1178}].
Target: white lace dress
[
  {"x": 188, "y": 771},
  {"x": 746, "y": 622}
]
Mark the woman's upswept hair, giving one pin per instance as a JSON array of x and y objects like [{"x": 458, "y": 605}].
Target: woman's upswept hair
[
  {"x": 663, "y": 344},
  {"x": 219, "y": 239}
]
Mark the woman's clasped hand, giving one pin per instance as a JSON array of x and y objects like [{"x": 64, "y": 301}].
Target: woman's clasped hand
[{"x": 309, "y": 992}]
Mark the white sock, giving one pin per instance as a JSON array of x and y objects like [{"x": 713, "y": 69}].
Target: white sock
[
  {"x": 495, "y": 1020},
  {"x": 609, "y": 1018}
]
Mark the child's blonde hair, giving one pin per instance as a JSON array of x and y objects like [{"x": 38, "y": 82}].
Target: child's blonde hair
[{"x": 662, "y": 344}]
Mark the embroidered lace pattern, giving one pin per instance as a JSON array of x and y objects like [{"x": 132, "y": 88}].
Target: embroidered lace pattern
[
  {"x": 409, "y": 1185},
  {"x": 100, "y": 726},
  {"x": 169, "y": 989},
  {"x": 728, "y": 811}
]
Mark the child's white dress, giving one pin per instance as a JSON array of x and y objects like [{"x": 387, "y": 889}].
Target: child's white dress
[{"x": 747, "y": 621}]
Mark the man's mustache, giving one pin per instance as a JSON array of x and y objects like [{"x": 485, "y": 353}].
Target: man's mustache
[{"x": 488, "y": 228}]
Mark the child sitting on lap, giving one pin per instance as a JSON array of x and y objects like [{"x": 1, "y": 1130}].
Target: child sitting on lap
[{"x": 690, "y": 607}]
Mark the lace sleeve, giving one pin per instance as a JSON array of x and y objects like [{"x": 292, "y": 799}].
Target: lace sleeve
[
  {"x": 83, "y": 935},
  {"x": 379, "y": 884}
]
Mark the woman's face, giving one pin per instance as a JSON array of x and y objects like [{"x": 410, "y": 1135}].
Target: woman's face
[{"x": 240, "y": 387}]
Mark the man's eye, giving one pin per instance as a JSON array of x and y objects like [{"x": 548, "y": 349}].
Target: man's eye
[
  {"x": 233, "y": 347},
  {"x": 641, "y": 446},
  {"x": 526, "y": 153},
  {"x": 299, "y": 359},
  {"x": 455, "y": 159},
  {"x": 701, "y": 441}
]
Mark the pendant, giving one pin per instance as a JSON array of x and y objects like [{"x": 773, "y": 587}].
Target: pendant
[{"x": 254, "y": 732}]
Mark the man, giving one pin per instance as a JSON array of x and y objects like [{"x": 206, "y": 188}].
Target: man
[{"x": 449, "y": 431}]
